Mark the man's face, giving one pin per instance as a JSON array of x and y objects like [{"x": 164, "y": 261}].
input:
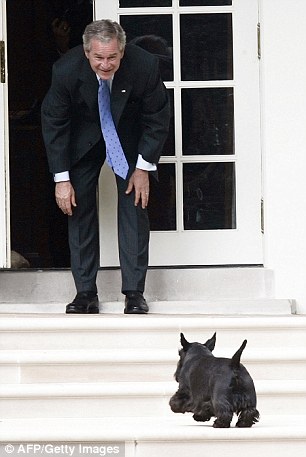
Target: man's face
[{"x": 104, "y": 58}]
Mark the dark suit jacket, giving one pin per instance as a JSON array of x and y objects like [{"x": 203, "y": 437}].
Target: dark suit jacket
[{"x": 139, "y": 103}]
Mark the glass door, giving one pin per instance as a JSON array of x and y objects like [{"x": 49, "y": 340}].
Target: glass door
[
  {"x": 205, "y": 210},
  {"x": 35, "y": 40},
  {"x": 4, "y": 216}
]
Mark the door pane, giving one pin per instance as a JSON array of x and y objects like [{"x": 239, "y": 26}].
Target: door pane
[
  {"x": 162, "y": 205},
  {"x": 205, "y": 2},
  {"x": 209, "y": 196},
  {"x": 206, "y": 47},
  {"x": 154, "y": 34},
  {"x": 208, "y": 121},
  {"x": 143, "y": 3}
]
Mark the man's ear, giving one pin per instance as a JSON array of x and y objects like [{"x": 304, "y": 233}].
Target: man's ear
[{"x": 86, "y": 52}]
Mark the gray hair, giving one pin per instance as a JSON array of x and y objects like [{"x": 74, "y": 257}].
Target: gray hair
[{"x": 104, "y": 31}]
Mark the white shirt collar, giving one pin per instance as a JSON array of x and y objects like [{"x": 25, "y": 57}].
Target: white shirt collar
[{"x": 109, "y": 81}]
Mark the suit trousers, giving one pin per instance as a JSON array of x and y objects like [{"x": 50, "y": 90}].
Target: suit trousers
[{"x": 83, "y": 228}]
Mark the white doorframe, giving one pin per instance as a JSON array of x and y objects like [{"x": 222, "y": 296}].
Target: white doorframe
[{"x": 4, "y": 155}]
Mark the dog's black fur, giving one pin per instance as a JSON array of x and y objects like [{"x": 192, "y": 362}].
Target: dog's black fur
[{"x": 214, "y": 386}]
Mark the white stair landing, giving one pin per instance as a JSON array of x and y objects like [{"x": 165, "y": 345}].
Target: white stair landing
[
  {"x": 275, "y": 436},
  {"x": 42, "y": 286}
]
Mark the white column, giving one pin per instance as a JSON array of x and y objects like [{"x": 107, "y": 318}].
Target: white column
[{"x": 284, "y": 144}]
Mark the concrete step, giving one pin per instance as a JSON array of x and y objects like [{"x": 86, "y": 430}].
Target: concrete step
[
  {"x": 49, "y": 331},
  {"x": 102, "y": 365},
  {"x": 275, "y": 307},
  {"x": 56, "y": 286},
  {"x": 273, "y": 436},
  {"x": 123, "y": 399}
]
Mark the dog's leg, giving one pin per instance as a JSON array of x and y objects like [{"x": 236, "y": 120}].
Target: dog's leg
[
  {"x": 247, "y": 417},
  {"x": 181, "y": 402},
  {"x": 245, "y": 407},
  {"x": 203, "y": 412},
  {"x": 223, "y": 412}
]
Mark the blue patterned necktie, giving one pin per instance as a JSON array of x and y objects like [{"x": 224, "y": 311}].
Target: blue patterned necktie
[{"x": 115, "y": 157}]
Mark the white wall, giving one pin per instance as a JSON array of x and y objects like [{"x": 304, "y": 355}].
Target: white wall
[{"x": 284, "y": 144}]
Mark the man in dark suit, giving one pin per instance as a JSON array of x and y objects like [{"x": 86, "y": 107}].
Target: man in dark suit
[{"x": 77, "y": 149}]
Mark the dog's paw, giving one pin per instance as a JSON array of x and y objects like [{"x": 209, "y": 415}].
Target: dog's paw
[
  {"x": 247, "y": 418},
  {"x": 241, "y": 424},
  {"x": 199, "y": 418},
  {"x": 221, "y": 423}
]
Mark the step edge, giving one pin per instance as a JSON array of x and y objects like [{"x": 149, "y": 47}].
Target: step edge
[
  {"x": 131, "y": 388},
  {"x": 142, "y": 356},
  {"x": 139, "y": 429},
  {"x": 32, "y": 323}
]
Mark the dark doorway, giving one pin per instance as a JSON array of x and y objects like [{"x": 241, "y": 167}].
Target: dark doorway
[{"x": 35, "y": 41}]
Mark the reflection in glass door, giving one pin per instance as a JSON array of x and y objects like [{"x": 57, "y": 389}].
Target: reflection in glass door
[{"x": 205, "y": 209}]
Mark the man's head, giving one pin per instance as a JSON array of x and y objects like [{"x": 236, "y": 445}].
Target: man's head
[{"x": 104, "y": 42}]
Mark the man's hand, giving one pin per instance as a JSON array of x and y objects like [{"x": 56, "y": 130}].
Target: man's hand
[
  {"x": 140, "y": 182},
  {"x": 65, "y": 197}
]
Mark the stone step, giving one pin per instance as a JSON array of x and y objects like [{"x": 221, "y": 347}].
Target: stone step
[
  {"x": 56, "y": 286},
  {"x": 273, "y": 436},
  {"x": 275, "y": 307},
  {"x": 90, "y": 365},
  {"x": 49, "y": 331},
  {"x": 122, "y": 399}
]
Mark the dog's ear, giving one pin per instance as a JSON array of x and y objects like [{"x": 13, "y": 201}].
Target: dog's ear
[
  {"x": 184, "y": 342},
  {"x": 210, "y": 344}
]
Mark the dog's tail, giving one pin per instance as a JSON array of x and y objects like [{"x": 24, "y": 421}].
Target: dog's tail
[{"x": 236, "y": 357}]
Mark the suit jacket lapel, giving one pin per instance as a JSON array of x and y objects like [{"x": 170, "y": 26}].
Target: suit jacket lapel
[
  {"x": 121, "y": 89},
  {"x": 89, "y": 86}
]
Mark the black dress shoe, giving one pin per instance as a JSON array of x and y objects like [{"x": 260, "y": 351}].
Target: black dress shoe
[
  {"x": 135, "y": 304},
  {"x": 84, "y": 303}
]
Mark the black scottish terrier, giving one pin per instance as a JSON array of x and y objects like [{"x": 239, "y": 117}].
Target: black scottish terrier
[{"x": 214, "y": 386}]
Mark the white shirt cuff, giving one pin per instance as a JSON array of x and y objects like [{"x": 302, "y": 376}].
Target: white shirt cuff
[
  {"x": 144, "y": 165},
  {"x": 63, "y": 176},
  {"x": 141, "y": 163}
]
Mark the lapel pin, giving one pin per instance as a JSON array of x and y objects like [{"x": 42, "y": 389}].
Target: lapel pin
[{"x": 123, "y": 90}]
